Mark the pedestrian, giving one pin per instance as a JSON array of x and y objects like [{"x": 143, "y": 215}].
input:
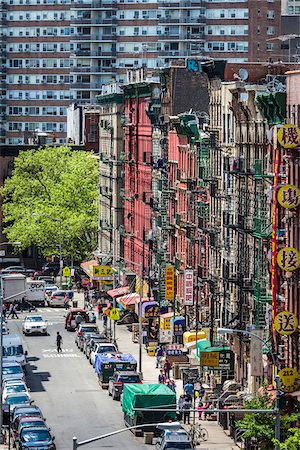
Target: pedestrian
[
  {"x": 201, "y": 392},
  {"x": 186, "y": 407},
  {"x": 78, "y": 286},
  {"x": 92, "y": 317},
  {"x": 58, "y": 342},
  {"x": 189, "y": 387},
  {"x": 4, "y": 310},
  {"x": 172, "y": 385},
  {"x": 167, "y": 368},
  {"x": 104, "y": 318},
  {"x": 78, "y": 320},
  {"x": 161, "y": 377},
  {"x": 159, "y": 354},
  {"x": 13, "y": 311},
  {"x": 99, "y": 309},
  {"x": 66, "y": 301},
  {"x": 180, "y": 407}
]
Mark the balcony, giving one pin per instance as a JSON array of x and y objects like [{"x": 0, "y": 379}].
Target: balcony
[
  {"x": 262, "y": 228},
  {"x": 90, "y": 21},
  {"x": 93, "y": 69},
  {"x": 90, "y": 53},
  {"x": 181, "y": 37},
  {"x": 181, "y": 4},
  {"x": 182, "y": 20},
  {"x": 83, "y": 85},
  {"x": 95, "y": 5}
]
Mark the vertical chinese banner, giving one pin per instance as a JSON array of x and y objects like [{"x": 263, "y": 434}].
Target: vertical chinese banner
[
  {"x": 188, "y": 287},
  {"x": 274, "y": 229},
  {"x": 170, "y": 282}
]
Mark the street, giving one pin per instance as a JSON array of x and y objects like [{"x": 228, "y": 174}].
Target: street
[{"x": 65, "y": 387}]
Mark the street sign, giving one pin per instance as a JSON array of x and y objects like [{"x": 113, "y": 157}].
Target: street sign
[
  {"x": 114, "y": 314},
  {"x": 66, "y": 271},
  {"x": 85, "y": 282}
]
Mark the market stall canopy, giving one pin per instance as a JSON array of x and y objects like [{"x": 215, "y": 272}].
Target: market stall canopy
[
  {"x": 128, "y": 300},
  {"x": 118, "y": 292},
  {"x": 87, "y": 266}
]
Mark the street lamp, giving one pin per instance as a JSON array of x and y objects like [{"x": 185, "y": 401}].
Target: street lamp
[
  {"x": 223, "y": 331},
  {"x": 60, "y": 242}
]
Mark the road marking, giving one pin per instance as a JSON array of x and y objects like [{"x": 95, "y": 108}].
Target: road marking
[
  {"x": 53, "y": 350},
  {"x": 61, "y": 355}
]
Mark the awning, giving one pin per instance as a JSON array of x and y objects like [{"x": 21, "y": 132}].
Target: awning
[
  {"x": 87, "y": 266},
  {"x": 118, "y": 292},
  {"x": 128, "y": 300}
]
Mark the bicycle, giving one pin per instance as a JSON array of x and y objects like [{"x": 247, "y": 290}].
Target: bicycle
[{"x": 198, "y": 434}]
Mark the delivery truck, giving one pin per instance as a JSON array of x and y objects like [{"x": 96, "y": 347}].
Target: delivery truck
[
  {"x": 35, "y": 294},
  {"x": 14, "y": 287}
]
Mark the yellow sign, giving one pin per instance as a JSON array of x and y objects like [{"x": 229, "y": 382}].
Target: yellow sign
[
  {"x": 145, "y": 287},
  {"x": 288, "y": 136},
  {"x": 165, "y": 323},
  {"x": 170, "y": 283},
  {"x": 66, "y": 271},
  {"x": 289, "y": 196},
  {"x": 289, "y": 380},
  {"x": 288, "y": 258},
  {"x": 102, "y": 271},
  {"x": 286, "y": 323},
  {"x": 209, "y": 359},
  {"x": 114, "y": 314}
]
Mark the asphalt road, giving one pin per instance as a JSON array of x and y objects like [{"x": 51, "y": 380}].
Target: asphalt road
[{"x": 65, "y": 387}]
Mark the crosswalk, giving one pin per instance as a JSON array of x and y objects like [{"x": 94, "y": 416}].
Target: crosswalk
[{"x": 51, "y": 310}]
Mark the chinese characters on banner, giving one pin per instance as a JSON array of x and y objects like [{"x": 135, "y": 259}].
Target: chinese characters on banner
[
  {"x": 288, "y": 259},
  {"x": 288, "y": 136},
  {"x": 256, "y": 360},
  {"x": 289, "y": 380},
  {"x": 188, "y": 287},
  {"x": 289, "y": 196},
  {"x": 209, "y": 359},
  {"x": 286, "y": 323},
  {"x": 170, "y": 283},
  {"x": 274, "y": 234}
]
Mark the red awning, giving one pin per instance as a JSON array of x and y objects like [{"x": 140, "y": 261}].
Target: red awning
[
  {"x": 86, "y": 265},
  {"x": 129, "y": 299},
  {"x": 118, "y": 292}
]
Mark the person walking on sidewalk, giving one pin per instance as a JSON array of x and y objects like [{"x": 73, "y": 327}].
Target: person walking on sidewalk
[
  {"x": 159, "y": 354},
  {"x": 167, "y": 368},
  {"x": 13, "y": 311},
  {"x": 186, "y": 407},
  {"x": 161, "y": 377},
  {"x": 58, "y": 342},
  {"x": 99, "y": 309}
]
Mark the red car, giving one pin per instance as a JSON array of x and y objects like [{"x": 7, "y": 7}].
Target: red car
[{"x": 70, "y": 323}]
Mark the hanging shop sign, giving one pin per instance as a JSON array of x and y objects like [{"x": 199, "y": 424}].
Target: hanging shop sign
[
  {"x": 274, "y": 229},
  {"x": 178, "y": 325},
  {"x": 209, "y": 359},
  {"x": 170, "y": 282},
  {"x": 289, "y": 380},
  {"x": 221, "y": 360},
  {"x": 151, "y": 310},
  {"x": 286, "y": 323},
  {"x": 288, "y": 258},
  {"x": 174, "y": 350},
  {"x": 188, "y": 287},
  {"x": 102, "y": 273},
  {"x": 288, "y": 136},
  {"x": 165, "y": 336},
  {"x": 289, "y": 196},
  {"x": 256, "y": 351}
]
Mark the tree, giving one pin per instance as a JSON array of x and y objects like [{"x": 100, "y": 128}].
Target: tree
[
  {"x": 292, "y": 442},
  {"x": 262, "y": 426},
  {"x": 56, "y": 183}
]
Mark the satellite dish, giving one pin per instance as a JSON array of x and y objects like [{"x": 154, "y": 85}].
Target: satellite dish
[{"x": 243, "y": 73}]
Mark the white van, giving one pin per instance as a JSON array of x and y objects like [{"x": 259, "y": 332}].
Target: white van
[{"x": 13, "y": 349}]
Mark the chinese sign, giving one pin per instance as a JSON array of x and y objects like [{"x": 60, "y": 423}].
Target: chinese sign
[
  {"x": 256, "y": 352},
  {"x": 209, "y": 359},
  {"x": 289, "y": 380},
  {"x": 286, "y": 323},
  {"x": 151, "y": 311},
  {"x": 102, "y": 271},
  {"x": 178, "y": 325},
  {"x": 288, "y": 259},
  {"x": 288, "y": 136},
  {"x": 165, "y": 336},
  {"x": 274, "y": 235},
  {"x": 194, "y": 65},
  {"x": 289, "y": 196},
  {"x": 174, "y": 350},
  {"x": 170, "y": 282},
  {"x": 188, "y": 287}
]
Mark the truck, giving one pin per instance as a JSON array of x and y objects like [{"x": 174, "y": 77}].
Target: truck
[
  {"x": 140, "y": 396},
  {"x": 106, "y": 364},
  {"x": 35, "y": 294},
  {"x": 14, "y": 287}
]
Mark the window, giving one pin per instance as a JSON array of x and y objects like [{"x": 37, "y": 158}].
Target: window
[
  {"x": 270, "y": 47},
  {"x": 270, "y": 14},
  {"x": 270, "y": 31}
]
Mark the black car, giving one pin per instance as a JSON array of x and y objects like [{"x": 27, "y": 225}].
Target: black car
[
  {"x": 51, "y": 268},
  {"x": 35, "y": 437}
]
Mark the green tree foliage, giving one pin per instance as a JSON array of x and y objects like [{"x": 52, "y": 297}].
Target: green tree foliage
[
  {"x": 61, "y": 184},
  {"x": 292, "y": 442},
  {"x": 262, "y": 426}
]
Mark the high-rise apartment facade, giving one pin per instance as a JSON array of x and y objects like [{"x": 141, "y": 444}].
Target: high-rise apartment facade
[{"x": 57, "y": 52}]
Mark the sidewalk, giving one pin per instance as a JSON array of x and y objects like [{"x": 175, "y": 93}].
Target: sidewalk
[{"x": 218, "y": 440}]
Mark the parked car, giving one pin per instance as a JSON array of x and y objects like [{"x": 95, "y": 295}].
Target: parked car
[
  {"x": 18, "y": 399},
  {"x": 173, "y": 436},
  {"x": 14, "y": 387},
  {"x": 34, "y": 324},
  {"x": 51, "y": 268},
  {"x": 102, "y": 347},
  {"x": 83, "y": 330},
  {"x": 5, "y": 330},
  {"x": 13, "y": 349},
  {"x": 116, "y": 383},
  {"x": 49, "y": 281},
  {"x": 35, "y": 437},
  {"x": 70, "y": 323},
  {"x": 90, "y": 339},
  {"x": 12, "y": 371},
  {"x": 57, "y": 298},
  {"x": 23, "y": 411},
  {"x": 49, "y": 289}
]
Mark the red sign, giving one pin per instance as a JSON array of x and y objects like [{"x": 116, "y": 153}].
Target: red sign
[{"x": 85, "y": 282}]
